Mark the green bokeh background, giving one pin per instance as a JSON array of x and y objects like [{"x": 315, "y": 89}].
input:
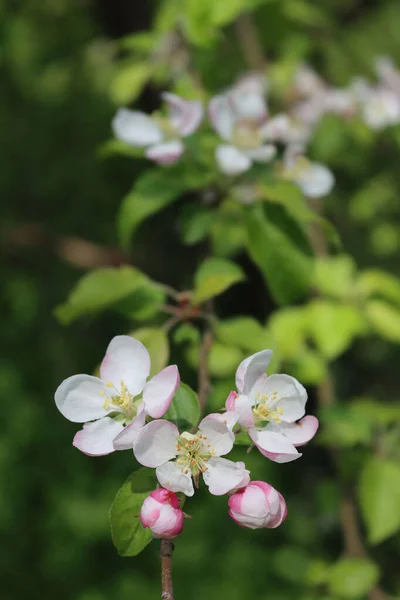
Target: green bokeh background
[{"x": 57, "y": 61}]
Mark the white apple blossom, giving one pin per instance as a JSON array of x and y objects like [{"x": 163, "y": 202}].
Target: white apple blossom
[
  {"x": 270, "y": 409},
  {"x": 114, "y": 406},
  {"x": 257, "y": 506},
  {"x": 314, "y": 179},
  {"x": 161, "y": 135},
  {"x": 379, "y": 105},
  {"x": 180, "y": 458}
]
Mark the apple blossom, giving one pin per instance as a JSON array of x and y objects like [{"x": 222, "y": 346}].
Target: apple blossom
[
  {"x": 257, "y": 506},
  {"x": 180, "y": 458},
  {"x": 162, "y": 514},
  {"x": 270, "y": 409},
  {"x": 314, "y": 179},
  {"x": 115, "y": 405},
  {"x": 161, "y": 135},
  {"x": 238, "y": 116}
]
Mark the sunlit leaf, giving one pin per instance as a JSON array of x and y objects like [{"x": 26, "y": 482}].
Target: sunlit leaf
[{"x": 213, "y": 277}]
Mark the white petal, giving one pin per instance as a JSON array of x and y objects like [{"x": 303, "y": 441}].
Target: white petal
[
  {"x": 223, "y": 475},
  {"x": 96, "y": 439},
  {"x": 300, "y": 433},
  {"x": 218, "y": 434},
  {"x": 159, "y": 391},
  {"x": 79, "y": 398},
  {"x": 222, "y": 116},
  {"x": 252, "y": 83},
  {"x": 243, "y": 410},
  {"x": 274, "y": 446},
  {"x": 254, "y": 502},
  {"x": 126, "y": 360},
  {"x": 156, "y": 443},
  {"x": 250, "y": 370},
  {"x": 248, "y": 106},
  {"x": 128, "y": 436},
  {"x": 185, "y": 116},
  {"x": 263, "y": 154},
  {"x": 166, "y": 153},
  {"x": 291, "y": 396},
  {"x": 315, "y": 180},
  {"x": 277, "y": 128},
  {"x": 231, "y": 161},
  {"x": 136, "y": 128},
  {"x": 171, "y": 477}
]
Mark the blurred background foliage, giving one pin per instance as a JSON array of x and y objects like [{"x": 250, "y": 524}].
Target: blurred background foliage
[{"x": 65, "y": 68}]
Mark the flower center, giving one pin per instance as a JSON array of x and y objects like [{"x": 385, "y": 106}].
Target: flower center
[
  {"x": 122, "y": 401},
  {"x": 246, "y": 135},
  {"x": 193, "y": 453},
  {"x": 168, "y": 129},
  {"x": 266, "y": 409}
]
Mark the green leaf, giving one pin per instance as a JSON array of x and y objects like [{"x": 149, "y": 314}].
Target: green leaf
[
  {"x": 289, "y": 196},
  {"x": 343, "y": 427},
  {"x": 379, "y": 496},
  {"x": 128, "y": 534},
  {"x": 384, "y": 319},
  {"x": 244, "y": 332},
  {"x": 185, "y": 409},
  {"x": 144, "y": 304},
  {"x": 243, "y": 439},
  {"x": 224, "y": 360},
  {"x": 376, "y": 411},
  {"x": 213, "y": 277},
  {"x": 128, "y": 82},
  {"x": 156, "y": 341},
  {"x": 352, "y": 577},
  {"x": 309, "y": 367},
  {"x": 152, "y": 192},
  {"x": 286, "y": 268},
  {"x": 334, "y": 276},
  {"x": 195, "y": 223},
  {"x": 377, "y": 283},
  {"x": 101, "y": 289},
  {"x": 186, "y": 333},
  {"x": 288, "y": 327},
  {"x": 333, "y": 326}
]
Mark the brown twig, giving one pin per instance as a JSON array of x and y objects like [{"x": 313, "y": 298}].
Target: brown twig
[
  {"x": 204, "y": 383},
  {"x": 166, "y": 551},
  {"x": 247, "y": 35}
]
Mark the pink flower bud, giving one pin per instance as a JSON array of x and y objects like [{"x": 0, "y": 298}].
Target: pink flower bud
[
  {"x": 162, "y": 514},
  {"x": 257, "y": 506}
]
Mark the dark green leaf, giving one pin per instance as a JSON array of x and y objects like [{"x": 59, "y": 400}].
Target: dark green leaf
[{"x": 185, "y": 409}]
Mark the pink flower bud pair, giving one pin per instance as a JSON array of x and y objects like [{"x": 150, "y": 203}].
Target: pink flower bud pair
[
  {"x": 162, "y": 514},
  {"x": 257, "y": 506}
]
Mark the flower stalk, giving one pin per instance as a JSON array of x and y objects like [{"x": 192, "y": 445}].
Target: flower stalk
[{"x": 166, "y": 551}]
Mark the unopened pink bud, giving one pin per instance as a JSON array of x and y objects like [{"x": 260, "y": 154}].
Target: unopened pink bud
[
  {"x": 162, "y": 514},
  {"x": 257, "y": 506}
]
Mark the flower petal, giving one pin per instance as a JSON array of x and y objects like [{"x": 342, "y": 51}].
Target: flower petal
[
  {"x": 291, "y": 396},
  {"x": 274, "y": 445},
  {"x": 263, "y": 154},
  {"x": 96, "y": 439},
  {"x": 300, "y": 433},
  {"x": 231, "y": 161},
  {"x": 248, "y": 106},
  {"x": 156, "y": 443},
  {"x": 223, "y": 475},
  {"x": 136, "y": 128},
  {"x": 185, "y": 116},
  {"x": 243, "y": 410},
  {"x": 80, "y": 398},
  {"x": 250, "y": 370},
  {"x": 126, "y": 360},
  {"x": 169, "y": 523},
  {"x": 166, "y": 153},
  {"x": 222, "y": 116},
  {"x": 159, "y": 391},
  {"x": 315, "y": 181},
  {"x": 217, "y": 433},
  {"x": 128, "y": 436},
  {"x": 171, "y": 477},
  {"x": 277, "y": 128}
]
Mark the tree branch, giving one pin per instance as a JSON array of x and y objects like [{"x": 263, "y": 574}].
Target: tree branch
[
  {"x": 166, "y": 551},
  {"x": 247, "y": 35}
]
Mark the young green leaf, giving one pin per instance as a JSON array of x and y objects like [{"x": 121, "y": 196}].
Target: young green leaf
[
  {"x": 213, "y": 277},
  {"x": 185, "y": 409},
  {"x": 156, "y": 341},
  {"x": 385, "y": 319},
  {"x": 128, "y": 535},
  {"x": 352, "y": 577}
]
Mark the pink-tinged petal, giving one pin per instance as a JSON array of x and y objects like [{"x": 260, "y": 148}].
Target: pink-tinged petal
[
  {"x": 156, "y": 443},
  {"x": 307, "y": 82},
  {"x": 315, "y": 181},
  {"x": 252, "y": 83},
  {"x": 280, "y": 515},
  {"x": 263, "y": 154},
  {"x": 167, "y": 153},
  {"x": 250, "y": 370},
  {"x": 291, "y": 396},
  {"x": 126, "y": 440},
  {"x": 228, "y": 419},
  {"x": 254, "y": 501},
  {"x": 276, "y": 129},
  {"x": 302, "y": 432},
  {"x": 185, "y": 116},
  {"x": 232, "y": 161},
  {"x": 246, "y": 477},
  {"x": 159, "y": 391},
  {"x": 165, "y": 497},
  {"x": 223, "y": 475},
  {"x": 222, "y": 116},
  {"x": 243, "y": 410},
  {"x": 257, "y": 506},
  {"x": 150, "y": 511},
  {"x": 217, "y": 434},
  {"x": 136, "y": 128},
  {"x": 171, "y": 477},
  {"x": 169, "y": 523},
  {"x": 97, "y": 438},
  {"x": 80, "y": 398},
  {"x": 248, "y": 106},
  {"x": 126, "y": 360},
  {"x": 230, "y": 401},
  {"x": 274, "y": 445}
]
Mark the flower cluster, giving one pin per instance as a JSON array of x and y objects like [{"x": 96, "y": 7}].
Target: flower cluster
[
  {"x": 122, "y": 409},
  {"x": 249, "y": 134}
]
